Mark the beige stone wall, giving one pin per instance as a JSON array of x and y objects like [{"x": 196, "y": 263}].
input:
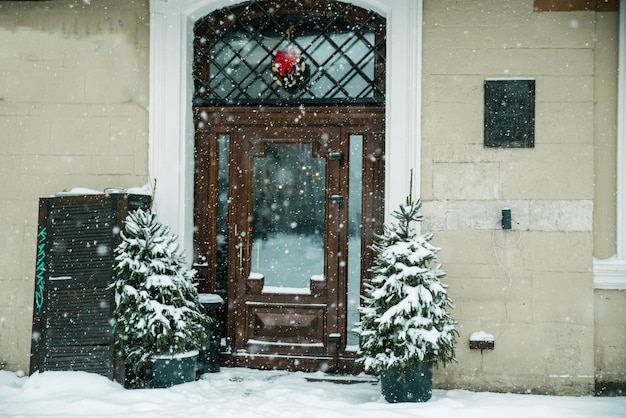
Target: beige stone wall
[
  {"x": 610, "y": 336},
  {"x": 610, "y": 305},
  {"x": 532, "y": 287},
  {"x": 73, "y": 113}
]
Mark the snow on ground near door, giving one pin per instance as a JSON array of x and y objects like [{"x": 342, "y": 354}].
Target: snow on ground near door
[{"x": 237, "y": 392}]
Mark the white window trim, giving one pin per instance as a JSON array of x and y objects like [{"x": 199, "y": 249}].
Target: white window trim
[
  {"x": 611, "y": 273},
  {"x": 171, "y": 130}
]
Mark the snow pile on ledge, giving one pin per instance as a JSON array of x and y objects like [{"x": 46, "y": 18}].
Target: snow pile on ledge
[{"x": 81, "y": 191}]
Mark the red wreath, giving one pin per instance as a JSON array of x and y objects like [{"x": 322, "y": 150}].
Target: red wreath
[
  {"x": 289, "y": 69},
  {"x": 286, "y": 61}
]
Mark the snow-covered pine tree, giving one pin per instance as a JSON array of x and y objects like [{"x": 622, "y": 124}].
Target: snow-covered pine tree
[
  {"x": 158, "y": 311},
  {"x": 404, "y": 322}
]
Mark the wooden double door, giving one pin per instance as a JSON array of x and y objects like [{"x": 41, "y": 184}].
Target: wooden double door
[{"x": 287, "y": 201}]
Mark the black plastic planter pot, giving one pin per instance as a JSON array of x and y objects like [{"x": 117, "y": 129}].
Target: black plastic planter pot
[
  {"x": 168, "y": 371},
  {"x": 209, "y": 357},
  {"x": 414, "y": 385}
]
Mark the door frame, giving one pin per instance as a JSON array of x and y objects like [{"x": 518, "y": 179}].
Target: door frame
[
  {"x": 171, "y": 133},
  {"x": 211, "y": 122}
]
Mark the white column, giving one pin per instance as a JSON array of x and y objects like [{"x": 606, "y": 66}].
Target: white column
[
  {"x": 403, "y": 107},
  {"x": 611, "y": 273}
]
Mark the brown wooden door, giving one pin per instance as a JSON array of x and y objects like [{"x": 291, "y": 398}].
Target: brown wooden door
[
  {"x": 289, "y": 231},
  {"x": 288, "y": 240}
]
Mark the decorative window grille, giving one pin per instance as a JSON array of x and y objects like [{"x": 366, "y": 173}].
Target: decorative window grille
[{"x": 342, "y": 47}]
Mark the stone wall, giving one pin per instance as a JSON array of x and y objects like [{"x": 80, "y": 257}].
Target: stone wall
[
  {"x": 74, "y": 83},
  {"x": 73, "y": 113},
  {"x": 531, "y": 287}
]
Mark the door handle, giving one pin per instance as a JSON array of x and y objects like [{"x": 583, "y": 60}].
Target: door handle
[
  {"x": 336, "y": 156},
  {"x": 337, "y": 200},
  {"x": 240, "y": 257},
  {"x": 239, "y": 246}
]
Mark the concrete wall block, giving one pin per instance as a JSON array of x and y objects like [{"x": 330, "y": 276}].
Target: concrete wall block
[
  {"x": 466, "y": 181},
  {"x": 610, "y": 357},
  {"x": 509, "y": 62},
  {"x": 15, "y": 328},
  {"x": 610, "y": 335},
  {"x": 27, "y": 134},
  {"x": 472, "y": 247},
  {"x": 536, "y": 31},
  {"x": 125, "y": 135},
  {"x": 561, "y": 215},
  {"x": 459, "y": 276},
  {"x": 550, "y": 172},
  {"x": 551, "y": 289},
  {"x": 610, "y": 307},
  {"x": 518, "y": 349},
  {"x": 475, "y": 153},
  {"x": 434, "y": 215},
  {"x": 560, "y": 89},
  {"x": 486, "y": 214},
  {"x": 19, "y": 291},
  {"x": 564, "y": 123},
  {"x": 11, "y": 247},
  {"x": 458, "y": 123},
  {"x": 558, "y": 252},
  {"x": 453, "y": 89},
  {"x": 80, "y": 136}
]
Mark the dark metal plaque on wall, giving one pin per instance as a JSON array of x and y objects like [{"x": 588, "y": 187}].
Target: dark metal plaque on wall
[{"x": 510, "y": 113}]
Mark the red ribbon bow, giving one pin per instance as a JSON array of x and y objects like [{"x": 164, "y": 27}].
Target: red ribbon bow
[{"x": 286, "y": 60}]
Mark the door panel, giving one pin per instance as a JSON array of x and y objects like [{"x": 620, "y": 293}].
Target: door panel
[{"x": 288, "y": 238}]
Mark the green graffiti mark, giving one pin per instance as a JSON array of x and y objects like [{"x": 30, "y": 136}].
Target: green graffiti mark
[{"x": 40, "y": 268}]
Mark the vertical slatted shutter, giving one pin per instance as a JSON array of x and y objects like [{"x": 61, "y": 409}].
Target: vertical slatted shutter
[{"x": 72, "y": 323}]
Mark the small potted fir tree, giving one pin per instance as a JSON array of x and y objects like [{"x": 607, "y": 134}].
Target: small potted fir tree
[
  {"x": 405, "y": 328},
  {"x": 158, "y": 318}
]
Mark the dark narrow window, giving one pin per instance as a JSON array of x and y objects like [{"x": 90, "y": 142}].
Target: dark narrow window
[{"x": 510, "y": 113}]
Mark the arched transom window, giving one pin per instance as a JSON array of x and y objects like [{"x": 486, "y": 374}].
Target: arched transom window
[{"x": 282, "y": 52}]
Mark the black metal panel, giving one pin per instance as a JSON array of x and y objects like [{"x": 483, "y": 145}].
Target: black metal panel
[
  {"x": 510, "y": 113},
  {"x": 74, "y": 304},
  {"x": 78, "y": 332},
  {"x": 81, "y": 238}
]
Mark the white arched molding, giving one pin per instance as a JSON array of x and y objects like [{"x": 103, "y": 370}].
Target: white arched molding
[
  {"x": 611, "y": 273},
  {"x": 171, "y": 156}
]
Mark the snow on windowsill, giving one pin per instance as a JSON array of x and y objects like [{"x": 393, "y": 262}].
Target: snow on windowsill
[{"x": 286, "y": 290}]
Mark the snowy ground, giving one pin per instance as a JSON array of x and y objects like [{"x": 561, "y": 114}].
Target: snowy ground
[{"x": 236, "y": 392}]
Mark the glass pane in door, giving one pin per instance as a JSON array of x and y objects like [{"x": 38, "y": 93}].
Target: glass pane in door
[
  {"x": 221, "y": 236},
  {"x": 288, "y": 199},
  {"x": 354, "y": 234}
]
